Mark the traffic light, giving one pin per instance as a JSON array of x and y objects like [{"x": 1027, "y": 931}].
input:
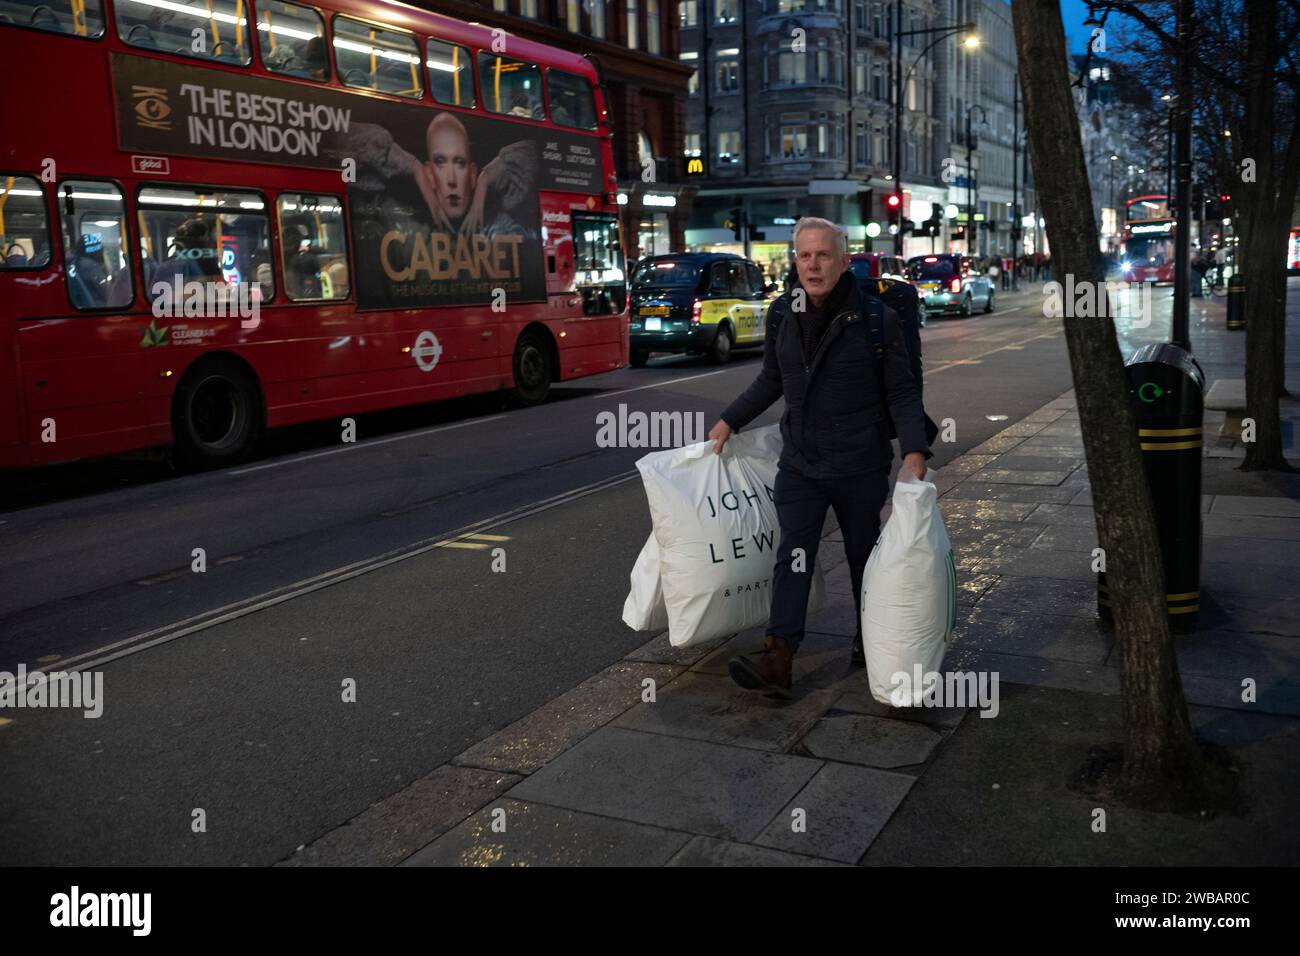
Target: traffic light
[
  {"x": 755, "y": 234},
  {"x": 894, "y": 207},
  {"x": 1225, "y": 207},
  {"x": 1198, "y": 201},
  {"x": 733, "y": 221}
]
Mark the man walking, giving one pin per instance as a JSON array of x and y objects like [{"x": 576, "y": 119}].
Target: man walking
[{"x": 836, "y": 452}]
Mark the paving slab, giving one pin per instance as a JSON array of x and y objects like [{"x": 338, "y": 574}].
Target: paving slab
[
  {"x": 1062, "y": 537},
  {"x": 1000, "y": 491},
  {"x": 1056, "y": 637},
  {"x": 1262, "y": 507},
  {"x": 860, "y": 701},
  {"x": 1050, "y": 513},
  {"x": 1012, "y": 476},
  {"x": 661, "y": 651},
  {"x": 996, "y": 794},
  {"x": 968, "y": 463},
  {"x": 1038, "y": 671},
  {"x": 709, "y": 851},
  {"x": 1265, "y": 552},
  {"x": 823, "y": 656},
  {"x": 538, "y": 835},
  {"x": 1028, "y": 597},
  {"x": 709, "y": 707},
  {"x": 1217, "y": 524},
  {"x": 868, "y": 741},
  {"x": 1235, "y": 656},
  {"x": 843, "y": 808},
  {"x": 1025, "y": 459},
  {"x": 397, "y": 826},
  {"x": 1068, "y": 565},
  {"x": 539, "y": 737},
  {"x": 985, "y": 509},
  {"x": 1268, "y": 613},
  {"x": 676, "y": 784},
  {"x": 997, "y": 445},
  {"x": 973, "y": 537}
]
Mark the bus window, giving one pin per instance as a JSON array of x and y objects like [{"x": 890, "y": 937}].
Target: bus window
[
  {"x": 373, "y": 58},
  {"x": 451, "y": 79},
  {"x": 571, "y": 100},
  {"x": 314, "y": 246},
  {"x": 223, "y": 26},
  {"x": 81, "y": 18},
  {"x": 511, "y": 86},
  {"x": 598, "y": 265},
  {"x": 215, "y": 237},
  {"x": 94, "y": 245},
  {"x": 292, "y": 40},
  {"x": 24, "y": 230}
]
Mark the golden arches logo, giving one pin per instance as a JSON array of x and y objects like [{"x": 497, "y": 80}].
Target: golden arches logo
[{"x": 695, "y": 166}]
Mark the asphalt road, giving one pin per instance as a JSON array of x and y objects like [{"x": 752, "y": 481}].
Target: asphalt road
[{"x": 328, "y": 562}]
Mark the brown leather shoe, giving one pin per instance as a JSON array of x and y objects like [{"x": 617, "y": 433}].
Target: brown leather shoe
[{"x": 769, "y": 671}]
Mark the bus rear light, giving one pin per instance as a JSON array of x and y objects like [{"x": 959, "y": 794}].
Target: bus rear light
[{"x": 696, "y": 306}]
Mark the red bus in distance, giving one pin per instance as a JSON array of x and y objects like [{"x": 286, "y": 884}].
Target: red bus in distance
[
  {"x": 1148, "y": 248},
  {"x": 222, "y": 216}
]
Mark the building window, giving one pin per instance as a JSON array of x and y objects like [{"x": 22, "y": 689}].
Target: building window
[
  {"x": 572, "y": 15},
  {"x": 878, "y": 85},
  {"x": 728, "y": 71},
  {"x": 726, "y": 11},
  {"x": 862, "y": 146},
  {"x": 860, "y": 17},
  {"x": 690, "y": 13},
  {"x": 652, "y": 27},
  {"x": 729, "y": 147},
  {"x": 860, "y": 87},
  {"x": 792, "y": 69},
  {"x": 528, "y": 8},
  {"x": 692, "y": 149},
  {"x": 597, "y": 13},
  {"x": 794, "y": 142},
  {"x": 633, "y": 36},
  {"x": 501, "y": 6}
]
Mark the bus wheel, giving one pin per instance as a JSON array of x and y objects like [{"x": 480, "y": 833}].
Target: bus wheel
[
  {"x": 638, "y": 359},
  {"x": 216, "y": 414},
  {"x": 720, "y": 353},
  {"x": 532, "y": 368}
]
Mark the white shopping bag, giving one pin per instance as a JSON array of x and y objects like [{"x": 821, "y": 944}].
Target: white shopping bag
[
  {"x": 717, "y": 533},
  {"x": 909, "y": 595},
  {"x": 644, "y": 608}
]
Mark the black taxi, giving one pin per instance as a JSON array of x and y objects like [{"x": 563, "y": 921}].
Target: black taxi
[{"x": 697, "y": 303}]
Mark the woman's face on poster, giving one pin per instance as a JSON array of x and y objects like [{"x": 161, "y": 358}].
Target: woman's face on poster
[{"x": 453, "y": 173}]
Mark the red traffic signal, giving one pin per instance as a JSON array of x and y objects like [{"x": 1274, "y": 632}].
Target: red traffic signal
[{"x": 894, "y": 201}]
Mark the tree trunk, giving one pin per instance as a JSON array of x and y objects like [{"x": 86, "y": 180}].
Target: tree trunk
[
  {"x": 1261, "y": 256},
  {"x": 1162, "y": 765}
]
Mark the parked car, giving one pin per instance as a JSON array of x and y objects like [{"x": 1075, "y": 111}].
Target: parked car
[
  {"x": 950, "y": 283},
  {"x": 697, "y": 303}
]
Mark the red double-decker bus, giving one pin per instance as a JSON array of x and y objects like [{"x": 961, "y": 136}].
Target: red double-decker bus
[
  {"x": 219, "y": 216},
  {"x": 1148, "y": 249}
]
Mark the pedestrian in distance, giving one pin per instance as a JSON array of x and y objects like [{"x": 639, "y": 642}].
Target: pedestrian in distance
[
  {"x": 840, "y": 396},
  {"x": 1200, "y": 265}
]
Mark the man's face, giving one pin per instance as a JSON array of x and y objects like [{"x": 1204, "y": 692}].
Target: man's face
[
  {"x": 818, "y": 260},
  {"x": 453, "y": 173}
]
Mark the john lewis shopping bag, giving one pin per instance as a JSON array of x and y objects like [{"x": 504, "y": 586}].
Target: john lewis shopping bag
[
  {"x": 716, "y": 530},
  {"x": 909, "y": 595}
]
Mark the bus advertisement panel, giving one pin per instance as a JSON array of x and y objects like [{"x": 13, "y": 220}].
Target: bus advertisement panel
[{"x": 444, "y": 205}]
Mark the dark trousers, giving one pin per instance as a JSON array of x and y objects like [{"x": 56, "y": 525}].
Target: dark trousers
[{"x": 801, "y": 504}]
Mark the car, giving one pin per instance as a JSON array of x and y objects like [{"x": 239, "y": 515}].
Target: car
[
  {"x": 881, "y": 266},
  {"x": 698, "y": 304},
  {"x": 877, "y": 265},
  {"x": 950, "y": 283}
]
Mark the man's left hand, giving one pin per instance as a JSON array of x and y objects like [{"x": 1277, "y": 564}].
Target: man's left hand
[{"x": 914, "y": 462}]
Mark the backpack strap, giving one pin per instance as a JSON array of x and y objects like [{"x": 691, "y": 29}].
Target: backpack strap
[{"x": 876, "y": 335}]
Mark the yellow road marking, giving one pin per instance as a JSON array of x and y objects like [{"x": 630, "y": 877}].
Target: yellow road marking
[
  {"x": 489, "y": 537},
  {"x": 468, "y": 545}
]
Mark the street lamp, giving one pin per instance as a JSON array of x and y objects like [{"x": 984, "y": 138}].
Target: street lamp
[
  {"x": 970, "y": 173},
  {"x": 900, "y": 81}
]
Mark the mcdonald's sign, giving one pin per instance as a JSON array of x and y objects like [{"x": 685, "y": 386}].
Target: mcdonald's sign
[{"x": 694, "y": 165}]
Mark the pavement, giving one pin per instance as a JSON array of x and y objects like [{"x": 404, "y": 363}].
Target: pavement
[{"x": 659, "y": 760}]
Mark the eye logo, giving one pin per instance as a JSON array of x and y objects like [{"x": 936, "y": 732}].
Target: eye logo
[{"x": 151, "y": 107}]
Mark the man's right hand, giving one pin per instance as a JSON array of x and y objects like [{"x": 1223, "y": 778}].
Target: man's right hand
[{"x": 719, "y": 434}]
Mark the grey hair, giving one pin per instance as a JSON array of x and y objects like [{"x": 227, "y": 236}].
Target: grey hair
[{"x": 812, "y": 222}]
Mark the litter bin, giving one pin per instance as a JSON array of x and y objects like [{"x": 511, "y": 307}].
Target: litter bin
[
  {"x": 1167, "y": 388},
  {"x": 1236, "y": 302}
]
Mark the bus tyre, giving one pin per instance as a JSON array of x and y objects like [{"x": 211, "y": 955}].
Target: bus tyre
[
  {"x": 216, "y": 414},
  {"x": 720, "y": 353},
  {"x": 532, "y": 369},
  {"x": 638, "y": 359}
]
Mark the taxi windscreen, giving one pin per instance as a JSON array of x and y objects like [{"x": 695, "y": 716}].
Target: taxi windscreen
[
  {"x": 665, "y": 275},
  {"x": 939, "y": 269}
]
